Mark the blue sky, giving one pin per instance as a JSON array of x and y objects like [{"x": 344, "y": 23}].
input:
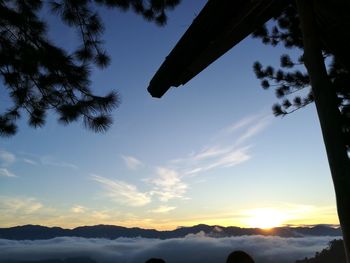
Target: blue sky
[{"x": 207, "y": 152}]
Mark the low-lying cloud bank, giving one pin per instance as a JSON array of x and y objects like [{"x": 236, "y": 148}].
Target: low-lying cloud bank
[{"x": 191, "y": 249}]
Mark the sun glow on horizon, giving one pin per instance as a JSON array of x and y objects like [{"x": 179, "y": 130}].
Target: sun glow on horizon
[{"x": 265, "y": 218}]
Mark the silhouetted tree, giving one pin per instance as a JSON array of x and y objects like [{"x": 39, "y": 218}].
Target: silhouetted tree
[
  {"x": 40, "y": 76},
  {"x": 291, "y": 80},
  {"x": 329, "y": 88},
  {"x": 333, "y": 253}
]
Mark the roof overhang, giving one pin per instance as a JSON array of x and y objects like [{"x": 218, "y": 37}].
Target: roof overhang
[{"x": 220, "y": 26}]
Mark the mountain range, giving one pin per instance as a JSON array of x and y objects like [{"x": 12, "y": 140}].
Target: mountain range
[{"x": 34, "y": 232}]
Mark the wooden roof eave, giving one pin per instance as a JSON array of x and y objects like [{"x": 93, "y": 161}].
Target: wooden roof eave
[{"x": 220, "y": 26}]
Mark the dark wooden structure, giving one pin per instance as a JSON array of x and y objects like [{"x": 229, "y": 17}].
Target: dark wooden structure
[
  {"x": 224, "y": 23},
  {"x": 220, "y": 26}
]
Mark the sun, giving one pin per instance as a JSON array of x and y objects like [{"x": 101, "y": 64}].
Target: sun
[{"x": 264, "y": 218}]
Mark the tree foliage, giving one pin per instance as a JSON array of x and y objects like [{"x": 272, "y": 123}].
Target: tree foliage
[
  {"x": 333, "y": 253},
  {"x": 39, "y": 76},
  {"x": 291, "y": 82}
]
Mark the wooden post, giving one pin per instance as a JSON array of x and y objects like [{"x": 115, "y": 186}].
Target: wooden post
[{"x": 329, "y": 116}]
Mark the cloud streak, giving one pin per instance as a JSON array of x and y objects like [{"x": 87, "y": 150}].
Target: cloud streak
[
  {"x": 191, "y": 249},
  {"x": 78, "y": 209},
  {"x": 52, "y": 161},
  {"x": 46, "y": 160},
  {"x": 228, "y": 148},
  {"x": 131, "y": 162},
  {"x": 227, "y": 159},
  {"x": 122, "y": 192},
  {"x": 7, "y": 158},
  {"x": 29, "y": 161},
  {"x": 163, "y": 209},
  {"x": 4, "y": 172}
]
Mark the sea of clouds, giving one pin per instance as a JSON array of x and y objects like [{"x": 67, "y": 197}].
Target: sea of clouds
[{"x": 196, "y": 248}]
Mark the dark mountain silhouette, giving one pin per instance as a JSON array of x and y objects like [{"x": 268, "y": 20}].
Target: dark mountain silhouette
[
  {"x": 33, "y": 232},
  {"x": 333, "y": 253}
]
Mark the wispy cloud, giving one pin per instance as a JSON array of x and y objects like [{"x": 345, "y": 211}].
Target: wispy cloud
[
  {"x": 225, "y": 159},
  {"x": 78, "y": 209},
  {"x": 210, "y": 152},
  {"x": 242, "y": 123},
  {"x": 164, "y": 186},
  {"x": 29, "y": 161},
  {"x": 163, "y": 209},
  {"x": 131, "y": 162},
  {"x": 47, "y": 160},
  {"x": 53, "y": 161},
  {"x": 23, "y": 205},
  {"x": 122, "y": 192},
  {"x": 229, "y": 147},
  {"x": 6, "y": 173},
  {"x": 101, "y": 215},
  {"x": 168, "y": 185},
  {"x": 254, "y": 129},
  {"x": 6, "y": 158}
]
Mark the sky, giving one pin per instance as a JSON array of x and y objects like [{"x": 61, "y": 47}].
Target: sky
[{"x": 208, "y": 152}]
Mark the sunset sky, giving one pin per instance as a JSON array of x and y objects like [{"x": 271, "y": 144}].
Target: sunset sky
[{"x": 207, "y": 152}]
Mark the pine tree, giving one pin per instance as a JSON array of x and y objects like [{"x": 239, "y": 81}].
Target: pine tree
[
  {"x": 333, "y": 253},
  {"x": 291, "y": 82},
  {"x": 327, "y": 86},
  {"x": 39, "y": 76}
]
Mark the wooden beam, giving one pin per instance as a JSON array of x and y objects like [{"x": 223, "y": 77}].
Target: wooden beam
[{"x": 221, "y": 25}]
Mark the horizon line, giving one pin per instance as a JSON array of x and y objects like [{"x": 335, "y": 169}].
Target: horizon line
[{"x": 179, "y": 227}]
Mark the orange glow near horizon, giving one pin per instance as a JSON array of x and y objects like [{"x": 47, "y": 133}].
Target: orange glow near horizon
[
  {"x": 262, "y": 220},
  {"x": 254, "y": 217}
]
